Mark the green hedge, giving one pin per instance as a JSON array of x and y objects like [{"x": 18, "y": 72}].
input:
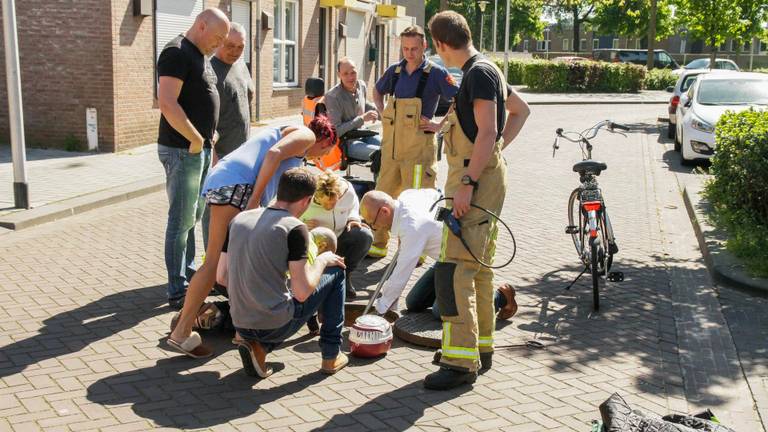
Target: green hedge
[
  {"x": 761, "y": 70},
  {"x": 659, "y": 79},
  {"x": 515, "y": 71},
  {"x": 739, "y": 189},
  {"x": 547, "y": 76}
]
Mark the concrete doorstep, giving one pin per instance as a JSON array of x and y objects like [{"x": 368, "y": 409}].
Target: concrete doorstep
[
  {"x": 724, "y": 267},
  {"x": 72, "y": 206}
]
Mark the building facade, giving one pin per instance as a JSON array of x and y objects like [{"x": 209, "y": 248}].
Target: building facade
[{"x": 101, "y": 54}]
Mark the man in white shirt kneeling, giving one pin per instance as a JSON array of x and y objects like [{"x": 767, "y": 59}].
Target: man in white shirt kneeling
[{"x": 410, "y": 220}]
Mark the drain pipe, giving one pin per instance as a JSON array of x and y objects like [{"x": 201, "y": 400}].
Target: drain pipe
[{"x": 257, "y": 96}]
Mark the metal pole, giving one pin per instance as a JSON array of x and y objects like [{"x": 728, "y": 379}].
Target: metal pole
[
  {"x": 482, "y": 21},
  {"x": 15, "y": 113},
  {"x": 752, "y": 52},
  {"x": 506, "y": 43},
  {"x": 495, "y": 18}
]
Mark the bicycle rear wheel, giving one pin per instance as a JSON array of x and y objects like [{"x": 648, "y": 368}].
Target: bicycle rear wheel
[{"x": 594, "y": 246}]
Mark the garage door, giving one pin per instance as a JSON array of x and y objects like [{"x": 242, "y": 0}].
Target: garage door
[
  {"x": 173, "y": 17},
  {"x": 241, "y": 14},
  {"x": 356, "y": 44}
]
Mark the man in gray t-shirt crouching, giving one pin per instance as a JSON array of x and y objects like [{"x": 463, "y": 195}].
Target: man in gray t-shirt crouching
[{"x": 266, "y": 245}]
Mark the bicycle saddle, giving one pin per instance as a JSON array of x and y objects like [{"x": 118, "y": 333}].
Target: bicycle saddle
[{"x": 589, "y": 165}]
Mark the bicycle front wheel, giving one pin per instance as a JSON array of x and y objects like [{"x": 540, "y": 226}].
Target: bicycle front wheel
[
  {"x": 576, "y": 219},
  {"x": 594, "y": 246}
]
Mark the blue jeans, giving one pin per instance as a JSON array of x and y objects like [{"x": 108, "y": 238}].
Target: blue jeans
[
  {"x": 362, "y": 148},
  {"x": 184, "y": 173},
  {"x": 328, "y": 299},
  {"x": 422, "y": 295}
]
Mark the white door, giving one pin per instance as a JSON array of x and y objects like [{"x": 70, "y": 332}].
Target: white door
[
  {"x": 241, "y": 14},
  {"x": 356, "y": 35},
  {"x": 172, "y": 18}
]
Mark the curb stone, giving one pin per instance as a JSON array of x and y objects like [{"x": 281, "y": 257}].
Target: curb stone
[
  {"x": 722, "y": 264},
  {"x": 72, "y": 206}
]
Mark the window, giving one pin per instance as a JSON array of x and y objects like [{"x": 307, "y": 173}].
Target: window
[
  {"x": 565, "y": 44},
  {"x": 615, "y": 44},
  {"x": 583, "y": 45},
  {"x": 285, "y": 50},
  {"x": 526, "y": 45},
  {"x": 637, "y": 43},
  {"x": 595, "y": 44},
  {"x": 763, "y": 47},
  {"x": 542, "y": 45}
]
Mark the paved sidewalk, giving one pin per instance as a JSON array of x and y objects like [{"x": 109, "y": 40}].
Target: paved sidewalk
[
  {"x": 643, "y": 97},
  {"x": 83, "y": 319}
]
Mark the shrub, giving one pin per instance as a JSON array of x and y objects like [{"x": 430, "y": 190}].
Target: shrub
[
  {"x": 739, "y": 189},
  {"x": 548, "y": 76},
  {"x": 659, "y": 79},
  {"x": 71, "y": 143},
  {"x": 761, "y": 70},
  {"x": 515, "y": 71}
]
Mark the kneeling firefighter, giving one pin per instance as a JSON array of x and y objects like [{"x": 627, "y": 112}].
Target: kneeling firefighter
[
  {"x": 408, "y": 146},
  {"x": 473, "y": 140}
]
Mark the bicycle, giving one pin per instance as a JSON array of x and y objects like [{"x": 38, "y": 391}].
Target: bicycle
[{"x": 588, "y": 221}]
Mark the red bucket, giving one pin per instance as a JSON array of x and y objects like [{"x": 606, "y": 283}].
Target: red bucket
[{"x": 370, "y": 336}]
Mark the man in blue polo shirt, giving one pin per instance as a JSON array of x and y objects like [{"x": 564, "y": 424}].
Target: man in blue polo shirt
[{"x": 408, "y": 145}]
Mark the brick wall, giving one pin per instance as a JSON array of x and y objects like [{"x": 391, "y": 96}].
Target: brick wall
[
  {"x": 65, "y": 67},
  {"x": 136, "y": 112}
]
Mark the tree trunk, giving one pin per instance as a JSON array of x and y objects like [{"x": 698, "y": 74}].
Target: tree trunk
[
  {"x": 443, "y": 5},
  {"x": 651, "y": 35},
  {"x": 576, "y": 27}
]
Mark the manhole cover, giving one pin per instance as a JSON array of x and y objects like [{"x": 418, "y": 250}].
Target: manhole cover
[{"x": 419, "y": 328}]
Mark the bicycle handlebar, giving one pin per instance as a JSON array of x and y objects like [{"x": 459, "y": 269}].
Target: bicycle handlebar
[{"x": 586, "y": 134}]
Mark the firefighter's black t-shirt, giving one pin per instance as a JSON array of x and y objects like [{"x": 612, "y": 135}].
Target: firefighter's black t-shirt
[
  {"x": 480, "y": 81},
  {"x": 198, "y": 98}
]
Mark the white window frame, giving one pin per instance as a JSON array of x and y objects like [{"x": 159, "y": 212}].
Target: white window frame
[
  {"x": 595, "y": 43},
  {"x": 615, "y": 44},
  {"x": 565, "y": 44},
  {"x": 526, "y": 45},
  {"x": 542, "y": 45},
  {"x": 582, "y": 45},
  {"x": 281, "y": 83}
]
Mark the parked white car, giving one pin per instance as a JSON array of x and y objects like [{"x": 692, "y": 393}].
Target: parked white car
[
  {"x": 707, "y": 99},
  {"x": 703, "y": 63},
  {"x": 687, "y": 78}
]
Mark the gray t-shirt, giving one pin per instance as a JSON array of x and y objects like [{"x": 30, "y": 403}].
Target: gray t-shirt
[
  {"x": 259, "y": 246},
  {"x": 346, "y": 109},
  {"x": 236, "y": 89}
]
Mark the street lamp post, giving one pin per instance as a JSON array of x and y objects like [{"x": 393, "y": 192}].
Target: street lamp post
[
  {"x": 482, "y": 4},
  {"x": 506, "y": 42},
  {"x": 15, "y": 115},
  {"x": 546, "y": 42},
  {"x": 495, "y": 18}
]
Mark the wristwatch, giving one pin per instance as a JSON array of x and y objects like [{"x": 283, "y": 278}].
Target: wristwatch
[{"x": 467, "y": 180}]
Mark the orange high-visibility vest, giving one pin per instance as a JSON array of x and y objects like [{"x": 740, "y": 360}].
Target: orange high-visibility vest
[{"x": 310, "y": 108}]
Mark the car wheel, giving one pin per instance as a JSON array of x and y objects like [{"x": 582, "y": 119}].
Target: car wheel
[
  {"x": 671, "y": 131},
  {"x": 683, "y": 160}
]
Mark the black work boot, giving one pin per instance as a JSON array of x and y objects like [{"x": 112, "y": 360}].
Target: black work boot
[
  {"x": 446, "y": 379},
  {"x": 350, "y": 289},
  {"x": 486, "y": 360}
]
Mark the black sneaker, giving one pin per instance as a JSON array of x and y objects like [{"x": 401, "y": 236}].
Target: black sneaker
[
  {"x": 446, "y": 379},
  {"x": 177, "y": 303},
  {"x": 486, "y": 360}
]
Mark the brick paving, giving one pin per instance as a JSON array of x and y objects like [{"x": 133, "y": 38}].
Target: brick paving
[{"x": 83, "y": 314}]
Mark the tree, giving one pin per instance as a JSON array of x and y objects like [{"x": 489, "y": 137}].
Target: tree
[
  {"x": 575, "y": 11},
  {"x": 635, "y": 18},
  {"x": 714, "y": 21},
  {"x": 525, "y": 19}
]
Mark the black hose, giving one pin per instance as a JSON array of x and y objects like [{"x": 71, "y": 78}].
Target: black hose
[{"x": 464, "y": 242}]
